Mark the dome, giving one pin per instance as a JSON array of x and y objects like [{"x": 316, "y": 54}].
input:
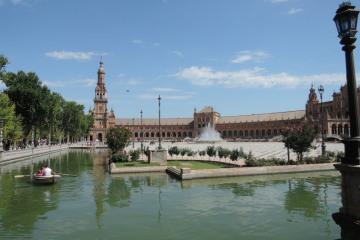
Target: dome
[{"x": 101, "y": 68}]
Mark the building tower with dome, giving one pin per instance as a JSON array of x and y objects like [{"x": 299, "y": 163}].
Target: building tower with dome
[{"x": 103, "y": 120}]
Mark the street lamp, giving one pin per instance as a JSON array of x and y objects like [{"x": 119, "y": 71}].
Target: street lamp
[
  {"x": 2, "y": 121},
  {"x": 321, "y": 92},
  {"x": 133, "y": 133},
  {"x": 159, "y": 99},
  {"x": 141, "y": 130},
  {"x": 346, "y": 22},
  {"x": 348, "y": 216}
]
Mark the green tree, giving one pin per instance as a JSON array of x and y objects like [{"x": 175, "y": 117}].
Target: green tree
[
  {"x": 300, "y": 139},
  {"x": 26, "y": 92},
  {"x": 12, "y": 127},
  {"x": 3, "y": 62},
  {"x": 117, "y": 139},
  {"x": 235, "y": 154},
  {"x": 211, "y": 151}
]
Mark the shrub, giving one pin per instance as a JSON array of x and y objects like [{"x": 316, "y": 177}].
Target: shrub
[
  {"x": 202, "y": 153},
  {"x": 339, "y": 156},
  {"x": 234, "y": 155},
  {"x": 134, "y": 155},
  {"x": 119, "y": 157},
  {"x": 174, "y": 151},
  {"x": 211, "y": 151}
]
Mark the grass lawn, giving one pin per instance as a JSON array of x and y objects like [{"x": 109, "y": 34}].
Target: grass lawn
[
  {"x": 135, "y": 164},
  {"x": 179, "y": 164},
  {"x": 195, "y": 164}
]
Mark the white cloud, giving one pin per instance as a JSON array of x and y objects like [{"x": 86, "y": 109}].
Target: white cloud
[
  {"x": 249, "y": 56},
  {"x": 87, "y": 82},
  {"x": 65, "y": 55},
  {"x": 294, "y": 11},
  {"x": 137, "y": 41},
  {"x": 256, "y": 77},
  {"x": 178, "y": 53},
  {"x": 162, "y": 89}
]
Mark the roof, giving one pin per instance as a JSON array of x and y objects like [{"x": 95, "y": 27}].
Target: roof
[
  {"x": 207, "y": 109},
  {"x": 153, "y": 121},
  {"x": 263, "y": 117},
  {"x": 291, "y": 115}
]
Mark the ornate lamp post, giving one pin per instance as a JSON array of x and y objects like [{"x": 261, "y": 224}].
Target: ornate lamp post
[
  {"x": 141, "y": 131},
  {"x": 2, "y": 121},
  {"x": 133, "y": 133},
  {"x": 346, "y": 23},
  {"x": 323, "y": 147},
  {"x": 159, "y": 99},
  {"x": 349, "y": 215}
]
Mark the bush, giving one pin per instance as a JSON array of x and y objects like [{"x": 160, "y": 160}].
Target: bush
[
  {"x": 134, "y": 155},
  {"x": 211, "y": 151},
  {"x": 339, "y": 156},
  {"x": 202, "y": 153},
  {"x": 190, "y": 153},
  {"x": 120, "y": 157},
  {"x": 174, "y": 151},
  {"x": 234, "y": 155}
]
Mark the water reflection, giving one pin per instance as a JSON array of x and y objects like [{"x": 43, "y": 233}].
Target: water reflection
[{"x": 95, "y": 205}]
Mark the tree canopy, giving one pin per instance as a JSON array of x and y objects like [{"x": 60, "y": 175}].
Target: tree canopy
[
  {"x": 300, "y": 139},
  {"x": 35, "y": 105},
  {"x": 117, "y": 138}
]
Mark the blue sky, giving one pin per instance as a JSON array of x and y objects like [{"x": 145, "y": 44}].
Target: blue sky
[{"x": 242, "y": 57}]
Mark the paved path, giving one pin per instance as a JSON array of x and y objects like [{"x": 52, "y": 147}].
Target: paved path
[{"x": 17, "y": 155}]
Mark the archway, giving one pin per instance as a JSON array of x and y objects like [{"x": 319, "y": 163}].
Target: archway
[{"x": 100, "y": 137}]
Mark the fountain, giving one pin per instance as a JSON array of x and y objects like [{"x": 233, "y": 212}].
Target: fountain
[{"x": 209, "y": 134}]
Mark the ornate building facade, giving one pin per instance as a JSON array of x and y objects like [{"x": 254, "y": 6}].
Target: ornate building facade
[
  {"x": 243, "y": 127},
  {"x": 336, "y": 121}
]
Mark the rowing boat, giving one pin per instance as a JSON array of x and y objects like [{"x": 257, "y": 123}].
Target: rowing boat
[{"x": 45, "y": 179}]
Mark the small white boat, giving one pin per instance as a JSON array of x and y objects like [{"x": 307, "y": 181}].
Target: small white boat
[{"x": 45, "y": 179}]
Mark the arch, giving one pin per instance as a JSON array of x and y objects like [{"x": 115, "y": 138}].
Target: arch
[
  {"x": 168, "y": 134},
  {"x": 174, "y": 134},
  {"x": 263, "y": 133},
  {"x": 190, "y": 134},
  {"x": 163, "y": 134},
  {"x": 179, "y": 134},
  {"x": 235, "y": 133},
  {"x": 275, "y": 131},
  {"x": 246, "y": 133},
  {"x": 252, "y": 133},
  {"x": 346, "y": 130},
  {"x": 136, "y": 134},
  {"x": 333, "y": 129},
  {"x": 340, "y": 129},
  {"x": 91, "y": 138},
  {"x": 147, "y": 134},
  {"x": 268, "y": 132},
  {"x": 152, "y": 135},
  {"x": 100, "y": 137},
  {"x": 241, "y": 133},
  {"x": 230, "y": 133},
  {"x": 257, "y": 133}
]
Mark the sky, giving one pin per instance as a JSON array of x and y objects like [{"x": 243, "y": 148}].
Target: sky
[{"x": 241, "y": 57}]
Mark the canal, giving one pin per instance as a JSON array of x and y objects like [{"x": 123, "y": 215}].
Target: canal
[{"x": 95, "y": 205}]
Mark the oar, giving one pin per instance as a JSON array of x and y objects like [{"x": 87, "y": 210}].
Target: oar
[
  {"x": 21, "y": 176},
  {"x": 66, "y": 174}
]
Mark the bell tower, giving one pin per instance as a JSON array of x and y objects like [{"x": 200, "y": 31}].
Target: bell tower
[{"x": 100, "y": 113}]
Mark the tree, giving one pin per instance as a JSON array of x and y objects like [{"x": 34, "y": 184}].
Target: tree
[
  {"x": 235, "y": 154},
  {"x": 300, "y": 139},
  {"x": 12, "y": 127},
  {"x": 3, "y": 62},
  {"x": 26, "y": 92},
  {"x": 211, "y": 151},
  {"x": 117, "y": 139}
]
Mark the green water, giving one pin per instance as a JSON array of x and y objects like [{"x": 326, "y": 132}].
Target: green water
[{"x": 94, "y": 205}]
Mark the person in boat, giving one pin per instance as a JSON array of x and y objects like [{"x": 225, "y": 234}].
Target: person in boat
[
  {"x": 47, "y": 171},
  {"x": 40, "y": 172}
]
